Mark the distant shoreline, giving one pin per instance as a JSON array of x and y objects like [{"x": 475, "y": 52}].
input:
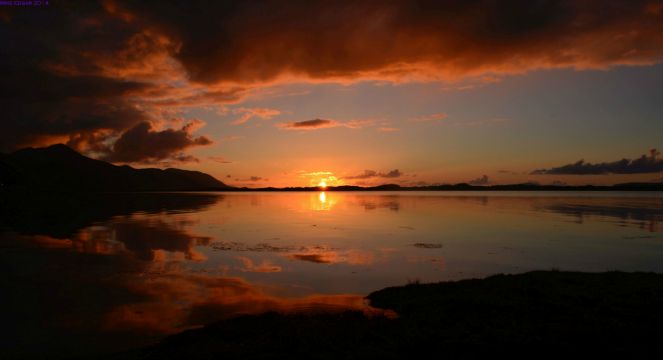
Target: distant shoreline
[
  {"x": 465, "y": 187},
  {"x": 58, "y": 168},
  {"x": 635, "y": 187}
]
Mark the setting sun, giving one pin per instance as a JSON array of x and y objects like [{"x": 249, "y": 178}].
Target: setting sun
[{"x": 322, "y": 184}]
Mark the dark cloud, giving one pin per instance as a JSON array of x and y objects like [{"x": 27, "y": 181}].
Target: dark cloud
[
  {"x": 313, "y": 123},
  {"x": 323, "y": 124},
  {"x": 40, "y": 108},
  {"x": 44, "y": 106},
  {"x": 142, "y": 144},
  {"x": 81, "y": 74},
  {"x": 368, "y": 174},
  {"x": 392, "y": 174},
  {"x": 483, "y": 180},
  {"x": 261, "y": 41},
  {"x": 309, "y": 124},
  {"x": 644, "y": 164},
  {"x": 91, "y": 71}
]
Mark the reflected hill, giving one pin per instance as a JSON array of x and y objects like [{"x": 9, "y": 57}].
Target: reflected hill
[
  {"x": 59, "y": 168},
  {"x": 61, "y": 215},
  {"x": 627, "y": 213}
]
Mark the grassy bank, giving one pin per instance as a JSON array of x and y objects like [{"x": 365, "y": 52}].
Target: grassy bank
[{"x": 536, "y": 314}]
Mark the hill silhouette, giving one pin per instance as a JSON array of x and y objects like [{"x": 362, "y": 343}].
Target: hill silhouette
[{"x": 60, "y": 168}]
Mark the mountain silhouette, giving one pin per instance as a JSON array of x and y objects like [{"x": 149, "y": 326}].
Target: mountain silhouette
[{"x": 60, "y": 168}]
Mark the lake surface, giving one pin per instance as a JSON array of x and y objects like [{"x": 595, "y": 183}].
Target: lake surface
[{"x": 92, "y": 274}]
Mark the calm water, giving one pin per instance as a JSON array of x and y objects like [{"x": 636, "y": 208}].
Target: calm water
[{"x": 92, "y": 274}]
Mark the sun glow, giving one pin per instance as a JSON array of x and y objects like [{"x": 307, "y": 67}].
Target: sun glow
[{"x": 322, "y": 184}]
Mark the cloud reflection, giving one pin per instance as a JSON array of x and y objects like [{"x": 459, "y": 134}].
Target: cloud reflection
[
  {"x": 178, "y": 301},
  {"x": 351, "y": 257},
  {"x": 391, "y": 202},
  {"x": 641, "y": 212},
  {"x": 627, "y": 213},
  {"x": 265, "y": 266},
  {"x": 142, "y": 238}
]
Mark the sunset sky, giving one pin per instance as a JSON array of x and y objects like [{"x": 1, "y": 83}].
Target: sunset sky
[{"x": 291, "y": 93}]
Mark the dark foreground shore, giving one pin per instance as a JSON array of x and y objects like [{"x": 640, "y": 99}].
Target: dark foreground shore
[{"x": 536, "y": 314}]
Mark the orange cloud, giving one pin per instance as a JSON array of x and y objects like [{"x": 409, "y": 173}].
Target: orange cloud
[
  {"x": 231, "y": 138},
  {"x": 430, "y": 118},
  {"x": 264, "y": 267},
  {"x": 249, "y": 113},
  {"x": 388, "y": 129}
]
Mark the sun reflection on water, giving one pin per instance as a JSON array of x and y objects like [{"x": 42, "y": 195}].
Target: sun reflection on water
[{"x": 323, "y": 202}]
